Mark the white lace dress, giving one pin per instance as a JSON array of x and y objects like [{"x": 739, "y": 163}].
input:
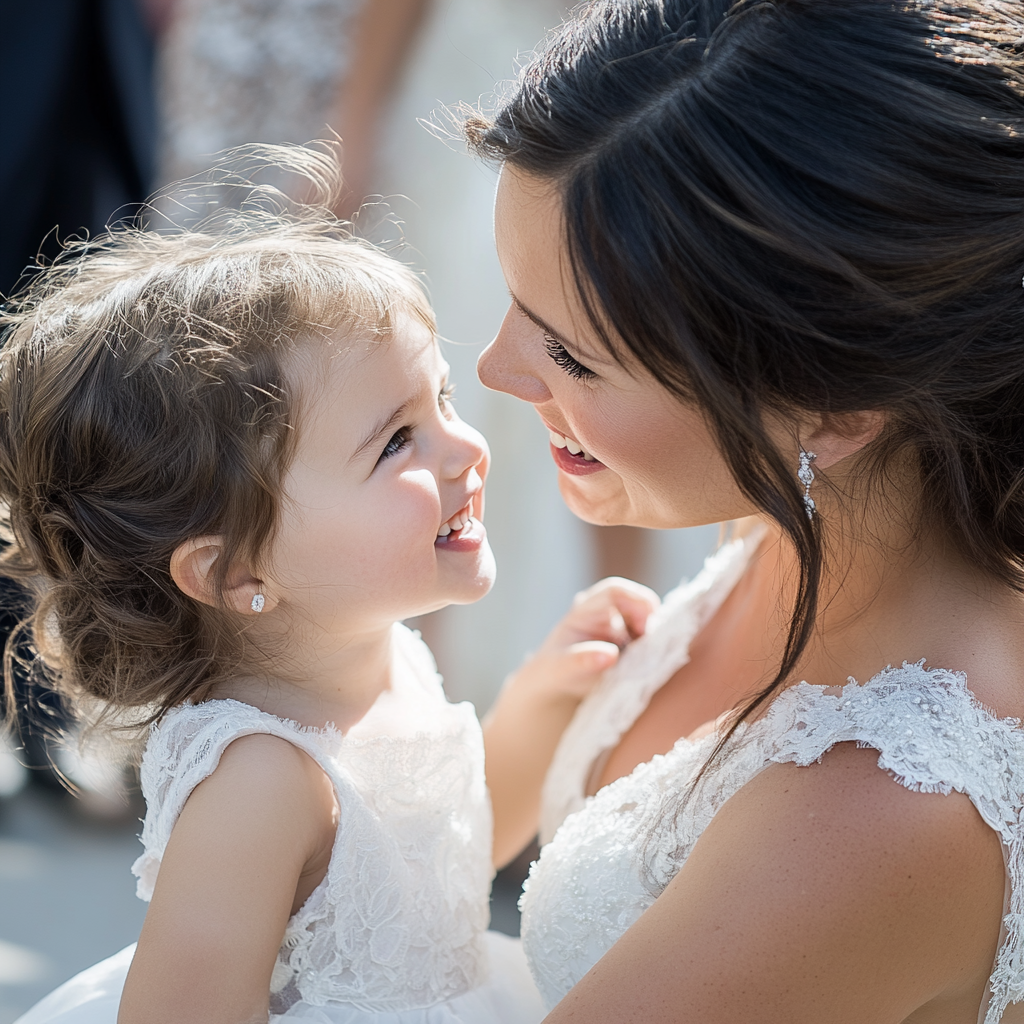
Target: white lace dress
[
  {"x": 396, "y": 933},
  {"x": 609, "y": 855}
]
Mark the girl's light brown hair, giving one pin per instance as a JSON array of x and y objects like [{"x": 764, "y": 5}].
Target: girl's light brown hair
[{"x": 143, "y": 402}]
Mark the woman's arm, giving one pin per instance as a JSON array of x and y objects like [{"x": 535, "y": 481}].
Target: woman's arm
[
  {"x": 535, "y": 705},
  {"x": 252, "y": 839},
  {"x": 826, "y": 893}
]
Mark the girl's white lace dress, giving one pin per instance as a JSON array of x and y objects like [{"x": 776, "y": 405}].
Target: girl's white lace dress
[
  {"x": 608, "y": 856},
  {"x": 397, "y": 931}
]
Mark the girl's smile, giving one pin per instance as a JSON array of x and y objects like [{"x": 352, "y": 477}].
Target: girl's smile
[{"x": 385, "y": 493}]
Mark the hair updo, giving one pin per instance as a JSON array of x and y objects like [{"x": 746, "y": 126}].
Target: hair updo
[
  {"x": 143, "y": 403},
  {"x": 803, "y": 205}
]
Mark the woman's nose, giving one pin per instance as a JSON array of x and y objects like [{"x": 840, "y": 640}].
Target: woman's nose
[{"x": 505, "y": 364}]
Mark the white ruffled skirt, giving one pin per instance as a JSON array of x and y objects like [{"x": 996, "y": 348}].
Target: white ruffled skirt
[{"x": 509, "y": 997}]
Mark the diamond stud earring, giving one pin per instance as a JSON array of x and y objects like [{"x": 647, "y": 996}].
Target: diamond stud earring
[
  {"x": 258, "y": 602},
  {"x": 806, "y": 476}
]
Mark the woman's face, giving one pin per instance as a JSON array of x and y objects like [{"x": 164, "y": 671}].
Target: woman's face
[{"x": 645, "y": 457}]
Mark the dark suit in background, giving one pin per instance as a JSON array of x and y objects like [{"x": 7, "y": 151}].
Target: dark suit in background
[{"x": 78, "y": 133}]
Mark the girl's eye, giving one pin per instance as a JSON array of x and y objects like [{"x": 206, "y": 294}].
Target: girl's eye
[
  {"x": 562, "y": 359},
  {"x": 446, "y": 397},
  {"x": 398, "y": 441}
]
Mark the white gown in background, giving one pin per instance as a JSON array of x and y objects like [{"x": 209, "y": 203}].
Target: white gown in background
[
  {"x": 238, "y": 71},
  {"x": 396, "y": 933},
  {"x": 607, "y": 857}
]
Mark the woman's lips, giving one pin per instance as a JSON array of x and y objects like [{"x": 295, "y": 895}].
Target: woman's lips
[
  {"x": 570, "y": 456},
  {"x": 577, "y": 465}
]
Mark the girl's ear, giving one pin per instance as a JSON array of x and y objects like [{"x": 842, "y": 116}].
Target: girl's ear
[{"x": 193, "y": 569}]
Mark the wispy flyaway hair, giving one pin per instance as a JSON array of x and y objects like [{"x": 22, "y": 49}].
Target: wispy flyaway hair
[{"x": 143, "y": 403}]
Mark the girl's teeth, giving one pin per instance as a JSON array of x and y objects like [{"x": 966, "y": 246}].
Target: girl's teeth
[
  {"x": 557, "y": 440},
  {"x": 444, "y": 531}
]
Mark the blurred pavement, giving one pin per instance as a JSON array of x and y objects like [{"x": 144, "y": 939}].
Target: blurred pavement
[{"x": 67, "y": 895}]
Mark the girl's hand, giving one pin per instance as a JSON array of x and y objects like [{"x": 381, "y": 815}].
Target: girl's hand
[
  {"x": 603, "y": 619},
  {"x": 538, "y": 702}
]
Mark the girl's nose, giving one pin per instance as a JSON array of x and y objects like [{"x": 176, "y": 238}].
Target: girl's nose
[
  {"x": 505, "y": 365},
  {"x": 468, "y": 451}
]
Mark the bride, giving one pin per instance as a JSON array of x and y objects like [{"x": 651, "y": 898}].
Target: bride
[{"x": 766, "y": 261}]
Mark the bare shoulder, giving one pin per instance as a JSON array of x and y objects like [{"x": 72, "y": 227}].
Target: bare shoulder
[
  {"x": 263, "y": 780},
  {"x": 878, "y": 882},
  {"x": 827, "y": 892}
]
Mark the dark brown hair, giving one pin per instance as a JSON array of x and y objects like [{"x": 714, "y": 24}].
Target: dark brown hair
[
  {"x": 143, "y": 402},
  {"x": 803, "y": 205}
]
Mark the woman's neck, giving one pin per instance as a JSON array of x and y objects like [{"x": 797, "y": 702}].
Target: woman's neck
[{"x": 893, "y": 591}]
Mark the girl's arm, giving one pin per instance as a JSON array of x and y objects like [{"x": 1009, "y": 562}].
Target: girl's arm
[
  {"x": 825, "y": 893},
  {"x": 252, "y": 841},
  {"x": 536, "y": 703}
]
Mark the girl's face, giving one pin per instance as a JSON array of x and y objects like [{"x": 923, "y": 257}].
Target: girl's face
[
  {"x": 644, "y": 457},
  {"x": 384, "y": 496}
]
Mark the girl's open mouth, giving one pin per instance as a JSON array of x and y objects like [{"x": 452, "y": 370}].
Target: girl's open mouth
[
  {"x": 571, "y": 457},
  {"x": 462, "y": 532}
]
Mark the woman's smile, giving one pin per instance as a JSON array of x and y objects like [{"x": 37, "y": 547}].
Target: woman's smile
[{"x": 570, "y": 456}]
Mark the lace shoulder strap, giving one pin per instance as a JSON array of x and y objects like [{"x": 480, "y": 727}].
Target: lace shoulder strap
[
  {"x": 933, "y": 736},
  {"x": 646, "y": 665},
  {"x": 184, "y": 748}
]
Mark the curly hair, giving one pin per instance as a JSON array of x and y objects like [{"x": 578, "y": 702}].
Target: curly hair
[{"x": 143, "y": 403}]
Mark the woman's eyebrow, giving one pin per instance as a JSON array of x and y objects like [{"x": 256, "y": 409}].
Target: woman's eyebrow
[
  {"x": 572, "y": 349},
  {"x": 382, "y": 427}
]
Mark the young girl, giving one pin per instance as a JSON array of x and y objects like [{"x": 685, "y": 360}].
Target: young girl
[{"x": 232, "y": 466}]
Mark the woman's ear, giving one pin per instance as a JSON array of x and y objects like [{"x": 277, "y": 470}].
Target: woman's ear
[
  {"x": 194, "y": 571},
  {"x": 838, "y": 437}
]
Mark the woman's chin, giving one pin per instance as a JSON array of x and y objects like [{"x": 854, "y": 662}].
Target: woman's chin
[{"x": 598, "y": 509}]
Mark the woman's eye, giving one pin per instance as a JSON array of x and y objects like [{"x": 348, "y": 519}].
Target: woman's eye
[
  {"x": 562, "y": 359},
  {"x": 398, "y": 441}
]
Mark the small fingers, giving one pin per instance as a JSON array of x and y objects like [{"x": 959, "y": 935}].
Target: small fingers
[
  {"x": 591, "y": 655},
  {"x": 631, "y": 604}
]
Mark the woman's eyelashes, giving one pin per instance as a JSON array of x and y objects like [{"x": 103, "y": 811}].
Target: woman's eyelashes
[{"x": 556, "y": 350}]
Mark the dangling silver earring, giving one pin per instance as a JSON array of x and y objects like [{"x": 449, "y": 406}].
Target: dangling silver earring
[
  {"x": 258, "y": 602},
  {"x": 806, "y": 476}
]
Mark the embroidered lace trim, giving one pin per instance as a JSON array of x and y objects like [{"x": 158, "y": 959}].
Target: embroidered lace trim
[{"x": 398, "y": 921}]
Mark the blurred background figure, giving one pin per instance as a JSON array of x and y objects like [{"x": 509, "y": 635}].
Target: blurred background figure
[{"x": 80, "y": 128}]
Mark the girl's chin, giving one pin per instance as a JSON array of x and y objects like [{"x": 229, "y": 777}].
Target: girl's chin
[{"x": 466, "y": 577}]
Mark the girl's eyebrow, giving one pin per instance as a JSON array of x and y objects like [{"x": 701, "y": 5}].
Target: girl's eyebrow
[
  {"x": 383, "y": 426},
  {"x": 572, "y": 349}
]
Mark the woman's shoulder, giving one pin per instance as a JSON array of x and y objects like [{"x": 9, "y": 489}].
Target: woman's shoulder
[
  {"x": 931, "y": 733},
  {"x": 915, "y": 878}
]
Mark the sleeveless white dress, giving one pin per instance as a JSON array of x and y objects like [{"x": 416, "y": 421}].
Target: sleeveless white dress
[
  {"x": 396, "y": 933},
  {"x": 608, "y": 856}
]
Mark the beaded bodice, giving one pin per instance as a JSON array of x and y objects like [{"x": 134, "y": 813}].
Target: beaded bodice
[
  {"x": 614, "y": 852},
  {"x": 397, "y": 923}
]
